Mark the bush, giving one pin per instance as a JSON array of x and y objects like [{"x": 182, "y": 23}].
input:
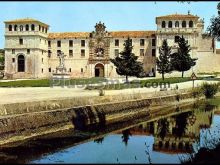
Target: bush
[
  {"x": 209, "y": 90},
  {"x": 101, "y": 92},
  {"x": 196, "y": 92}
]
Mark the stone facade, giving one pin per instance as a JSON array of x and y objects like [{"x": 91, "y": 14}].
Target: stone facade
[{"x": 31, "y": 52}]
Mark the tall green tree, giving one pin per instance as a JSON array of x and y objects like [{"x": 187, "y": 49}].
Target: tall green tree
[
  {"x": 214, "y": 28},
  {"x": 163, "y": 61},
  {"x": 181, "y": 60},
  {"x": 126, "y": 63}
]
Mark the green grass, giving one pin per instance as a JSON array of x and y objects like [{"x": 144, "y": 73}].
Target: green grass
[
  {"x": 143, "y": 83},
  {"x": 85, "y": 81},
  {"x": 46, "y": 82}
]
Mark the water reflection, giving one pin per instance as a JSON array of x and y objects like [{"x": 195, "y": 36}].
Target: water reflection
[{"x": 155, "y": 140}]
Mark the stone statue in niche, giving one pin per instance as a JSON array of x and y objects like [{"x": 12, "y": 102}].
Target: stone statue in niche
[{"x": 99, "y": 52}]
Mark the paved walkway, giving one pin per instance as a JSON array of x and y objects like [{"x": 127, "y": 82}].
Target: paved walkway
[{"x": 12, "y": 95}]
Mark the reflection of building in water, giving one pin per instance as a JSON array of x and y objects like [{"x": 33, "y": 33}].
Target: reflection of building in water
[{"x": 176, "y": 134}]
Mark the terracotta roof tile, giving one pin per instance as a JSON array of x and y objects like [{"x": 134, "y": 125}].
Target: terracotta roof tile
[
  {"x": 69, "y": 35},
  {"x": 178, "y": 16},
  {"x": 132, "y": 33},
  {"x": 116, "y": 34},
  {"x": 25, "y": 20}
]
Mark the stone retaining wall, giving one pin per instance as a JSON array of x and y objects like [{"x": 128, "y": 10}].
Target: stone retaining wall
[{"x": 29, "y": 122}]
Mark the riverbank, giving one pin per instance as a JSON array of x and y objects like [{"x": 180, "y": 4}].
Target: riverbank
[{"x": 25, "y": 120}]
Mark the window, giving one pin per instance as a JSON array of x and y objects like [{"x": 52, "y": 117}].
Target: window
[
  {"x": 49, "y": 44},
  {"x": 176, "y": 39},
  {"x": 69, "y": 69},
  {"x": 21, "y": 28},
  {"x": 27, "y": 27},
  {"x": 13, "y": 51},
  {"x": 170, "y": 24},
  {"x": 190, "y": 23},
  {"x": 58, "y": 52},
  {"x": 81, "y": 70},
  {"x": 141, "y": 52},
  {"x": 13, "y": 60},
  {"x": 42, "y": 52},
  {"x": 184, "y": 24},
  {"x": 49, "y": 69},
  {"x": 10, "y": 28},
  {"x": 163, "y": 24},
  {"x": 177, "y": 24},
  {"x": 28, "y": 51},
  {"x": 131, "y": 41},
  {"x": 142, "y": 42},
  {"x": 49, "y": 53},
  {"x": 32, "y": 27},
  {"x": 82, "y": 43},
  {"x": 15, "y": 28},
  {"x": 42, "y": 70},
  {"x": 82, "y": 52},
  {"x": 39, "y": 28},
  {"x": 42, "y": 60},
  {"x": 153, "y": 42},
  {"x": 20, "y": 41},
  {"x": 58, "y": 43},
  {"x": 116, "y": 42},
  {"x": 116, "y": 52},
  {"x": 71, "y": 53},
  {"x": 153, "y": 52},
  {"x": 42, "y": 29},
  {"x": 45, "y": 30},
  {"x": 70, "y": 43}
]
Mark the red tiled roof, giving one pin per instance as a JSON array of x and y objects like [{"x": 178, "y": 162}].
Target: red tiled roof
[{"x": 116, "y": 34}]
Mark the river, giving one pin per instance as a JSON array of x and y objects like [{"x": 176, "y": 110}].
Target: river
[{"x": 169, "y": 139}]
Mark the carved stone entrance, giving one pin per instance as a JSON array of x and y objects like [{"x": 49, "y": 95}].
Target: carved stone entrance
[
  {"x": 99, "y": 47},
  {"x": 99, "y": 70}
]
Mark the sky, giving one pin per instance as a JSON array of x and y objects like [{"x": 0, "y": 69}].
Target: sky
[{"x": 82, "y": 16}]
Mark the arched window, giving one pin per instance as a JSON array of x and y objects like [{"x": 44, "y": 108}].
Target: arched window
[
  {"x": 177, "y": 24},
  {"x": 45, "y": 30},
  {"x": 170, "y": 24},
  {"x": 42, "y": 29},
  {"x": 10, "y": 28},
  {"x": 190, "y": 23},
  {"x": 15, "y": 28},
  {"x": 21, "y": 28},
  {"x": 21, "y": 63},
  {"x": 184, "y": 24},
  {"x": 163, "y": 24},
  {"x": 39, "y": 28},
  {"x": 27, "y": 27},
  {"x": 32, "y": 27}
]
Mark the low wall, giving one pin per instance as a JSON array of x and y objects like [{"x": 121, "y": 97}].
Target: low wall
[{"x": 29, "y": 122}]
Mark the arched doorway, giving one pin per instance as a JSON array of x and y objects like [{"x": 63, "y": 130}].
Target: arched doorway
[
  {"x": 21, "y": 63},
  {"x": 99, "y": 70}
]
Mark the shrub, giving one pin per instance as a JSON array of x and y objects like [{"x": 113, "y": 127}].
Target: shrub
[
  {"x": 196, "y": 92},
  {"x": 209, "y": 90},
  {"x": 101, "y": 92}
]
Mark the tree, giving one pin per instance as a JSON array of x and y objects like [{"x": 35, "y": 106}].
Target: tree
[
  {"x": 181, "y": 60},
  {"x": 126, "y": 63},
  {"x": 214, "y": 28},
  {"x": 163, "y": 61}
]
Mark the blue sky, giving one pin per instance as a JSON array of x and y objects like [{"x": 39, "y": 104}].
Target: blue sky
[{"x": 82, "y": 16}]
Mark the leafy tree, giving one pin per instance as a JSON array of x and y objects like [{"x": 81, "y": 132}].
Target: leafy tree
[
  {"x": 126, "y": 63},
  {"x": 163, "y": 61},
  {"x": 214, "y": 28},
  {"x": 181, "y": 60}
]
